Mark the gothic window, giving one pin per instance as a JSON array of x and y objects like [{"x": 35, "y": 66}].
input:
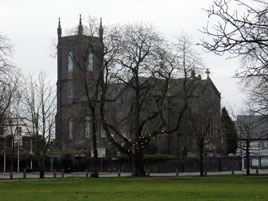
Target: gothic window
[
  {"x": 70, "y": 61},
  {"x": 90, "y": 62},
  {"x": 70, "y": 129},
  {"x": 87, "y": 127}
]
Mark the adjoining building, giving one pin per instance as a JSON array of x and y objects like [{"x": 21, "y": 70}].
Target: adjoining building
[
  {"x": 16, "y": 139},
  {"x": 253, "y": 137},
  {"x": 73, "y": 127},
  {"x": 16, "y": 130}
]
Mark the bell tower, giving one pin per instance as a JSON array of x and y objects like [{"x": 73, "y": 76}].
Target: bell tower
[{"x": 78, "y": 62}]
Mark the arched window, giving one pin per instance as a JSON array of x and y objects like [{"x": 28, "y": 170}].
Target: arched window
[
  {"x": 90, "y": 61},
  {"x": 70, "y": 61},
  {"x": 87, "y": 127},
  {"x": 70, "y": 129}
]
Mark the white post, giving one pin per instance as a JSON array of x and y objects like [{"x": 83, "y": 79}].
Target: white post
[
  {"x": 18, "y": 168},
  {"x": 243, "y": 163},
  {"x": 5, "y": 161},
  {"x": 5, "y": 145}
]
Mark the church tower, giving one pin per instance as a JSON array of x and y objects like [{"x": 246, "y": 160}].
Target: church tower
[{"x": 78, "y": 62}]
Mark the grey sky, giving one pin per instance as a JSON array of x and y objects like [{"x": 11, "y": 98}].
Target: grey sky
[{"x": 31, "y": 25}]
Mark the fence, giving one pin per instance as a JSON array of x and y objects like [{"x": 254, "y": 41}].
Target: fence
[{"x": 81, "y": 164}]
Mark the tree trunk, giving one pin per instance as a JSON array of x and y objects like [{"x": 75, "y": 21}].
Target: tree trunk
[
  {"x": 139, "y": 164},
  {"x": 248, "y": 158},
  {"x": 12, "y": 159},
  {"x": 42, "y": 168},
  {"x": 201, "y": 161},
  {"x": 41, "y": 173},
  {"x": 11, "y": 167},
  {"x": 95, "y": 172}
]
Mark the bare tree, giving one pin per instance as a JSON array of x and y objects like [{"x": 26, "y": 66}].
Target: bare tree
[
  {"x": 252, "y": 129},
  {"x": 139, "y": 69},
  {"x": 188, "y": 56},
  {"x": 9, "y": 92},
  {"x": 257, "y": 93},
  {"x": 8, "y": 77},
  {"x": 38, "y": 106},
  {"x": 204, "y": 125},
  {"x": 5, "y": 53},
  {"x": 240, "y": 29},
  {"x": 144, "y": 69}
]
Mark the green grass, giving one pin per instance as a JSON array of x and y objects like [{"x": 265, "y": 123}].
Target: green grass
[{"x": 138, "y": 189}]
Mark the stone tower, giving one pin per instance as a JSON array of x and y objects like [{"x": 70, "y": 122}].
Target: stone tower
[{"x": 78, "y": 62}]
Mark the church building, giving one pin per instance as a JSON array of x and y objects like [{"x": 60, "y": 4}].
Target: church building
[{"x": 79, "y": 58}]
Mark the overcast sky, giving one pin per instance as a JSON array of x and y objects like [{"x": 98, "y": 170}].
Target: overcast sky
[{"x": 31, "y": 26}]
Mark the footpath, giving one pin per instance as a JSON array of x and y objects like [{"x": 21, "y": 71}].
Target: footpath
[{"x": 35, "y": 175}]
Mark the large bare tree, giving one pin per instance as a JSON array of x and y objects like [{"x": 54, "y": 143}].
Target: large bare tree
[
  {"x": 143, "y": 67},
  {"x": 38, "y": 106},
  {"x": 240, "y": 28},
  {"x": 138, "y": 68}
]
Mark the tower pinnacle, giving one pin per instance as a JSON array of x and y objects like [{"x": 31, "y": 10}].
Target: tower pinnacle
[
  {"x": 207, "y": 72},
  {"x": 80, "y": 26},
  {"x": 59, "y": 29},
  {"x": 101, "y": 30}
]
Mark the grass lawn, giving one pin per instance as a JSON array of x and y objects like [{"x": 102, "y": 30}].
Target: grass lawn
[{"x": 137, "y": 189}]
